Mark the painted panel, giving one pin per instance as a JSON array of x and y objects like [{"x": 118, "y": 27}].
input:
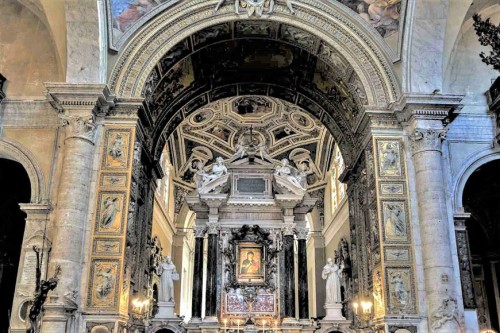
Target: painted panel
[
  {"x": 104, "y": 279},
  {"x": 107, "y": 246},
  {"x": 110, "y": 213},
  {"x": 399, "y": 283},
  {"x": 117, "y": 146},
  {"x": 113, "y": 180},
  {"x": 395, "y": 221},
  {"x": 389, "y": 158}
]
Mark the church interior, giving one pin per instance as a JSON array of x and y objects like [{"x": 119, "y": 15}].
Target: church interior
[{"x": 249, "y": 166}]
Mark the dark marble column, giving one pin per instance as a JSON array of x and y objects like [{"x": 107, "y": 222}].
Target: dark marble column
[
  {"x": 289, "y": 273},
  {"x": 211, "y": 291},
  {"x": 199, "y": 233},
  {"x": 302, "y": 270}
]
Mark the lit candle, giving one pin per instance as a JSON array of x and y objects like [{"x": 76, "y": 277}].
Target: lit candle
[{"x": 264, "y": 326}]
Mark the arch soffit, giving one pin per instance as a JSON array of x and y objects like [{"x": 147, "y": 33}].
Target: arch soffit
[
  {"x": 16, "y": 152},
  {"x": 472, "y": 164},
  {"x": 337, "y": 27}
]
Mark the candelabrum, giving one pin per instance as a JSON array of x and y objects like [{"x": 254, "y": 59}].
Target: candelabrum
[
  {"x": 141, "y": 308},
  {"x": 363, "y": 314}
]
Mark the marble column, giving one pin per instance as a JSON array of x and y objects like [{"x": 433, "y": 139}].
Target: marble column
[
  {"x": 211, "y": 291},
  {"x": 196, "y": 305},
  {"x": 426, "y": 139},
  {"x": 289, "y": 271},
  {"x": 302, "y": 270},
  {"x": 78, "y": 106}
]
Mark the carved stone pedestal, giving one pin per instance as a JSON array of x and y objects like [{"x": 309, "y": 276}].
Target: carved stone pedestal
[
  {"x": 333, "y": 312},
  {"x": 335, "y": 325},
  {"x": 172, "y": 324},
  {"x": 165, "y": 310}
]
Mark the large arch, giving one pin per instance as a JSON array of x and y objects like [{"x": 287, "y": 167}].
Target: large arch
[
  {"x": 16, "y": 152},
  {"x": 340, "y": 29},
  {"x": 471, "y": 165}
]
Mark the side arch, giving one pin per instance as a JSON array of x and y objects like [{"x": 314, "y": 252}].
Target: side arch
[
  {"x": 471, "y": 165},
  {"x": 339, "y": 30},
  {"x": 14, "y": 151}
]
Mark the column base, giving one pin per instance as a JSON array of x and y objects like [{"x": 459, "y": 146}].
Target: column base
[
  {"x": 166, "y": 310},
  {"x": 305, "y": 322},
  {"x": 195, "y": 320},
  {"x": 333, "y": 312},
  {"x": 290, "y": 321},
  {"x": 210, "y": 320}
]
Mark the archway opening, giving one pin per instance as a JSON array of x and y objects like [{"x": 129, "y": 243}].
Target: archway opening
[
  {"x": 258, "y": 80},
  {"x": 480, "y": 199},
  {"x": 15, "y": 189}
]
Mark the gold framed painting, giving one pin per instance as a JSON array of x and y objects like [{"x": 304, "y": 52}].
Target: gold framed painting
[{"x": 250, "y": 267}]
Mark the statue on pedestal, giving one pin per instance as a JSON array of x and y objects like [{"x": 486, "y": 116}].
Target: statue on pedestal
[
  {"x": 167, "y": 278},
  {"x": 333, "y": 303},
  {"x": 331, "y": 273}
]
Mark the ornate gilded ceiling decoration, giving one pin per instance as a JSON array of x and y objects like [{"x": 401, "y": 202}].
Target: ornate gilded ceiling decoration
[
  {"x": 213, "y": 131},
  {"x": 255, "y": 58}
]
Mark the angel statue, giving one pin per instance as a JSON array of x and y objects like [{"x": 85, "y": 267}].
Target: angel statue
[
  {"x": 284, "y": 170},
  {"x": 218, "y": 170}
]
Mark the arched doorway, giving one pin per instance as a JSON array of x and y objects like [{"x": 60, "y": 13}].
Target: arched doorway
[
  {"x": 15, "y": 189},
  {"x": 480, "y": 198}
]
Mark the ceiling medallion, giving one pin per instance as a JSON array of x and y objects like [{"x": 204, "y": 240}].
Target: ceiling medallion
[{"x": 255, "y": 7}]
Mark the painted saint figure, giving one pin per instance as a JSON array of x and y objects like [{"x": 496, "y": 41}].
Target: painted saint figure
[
  {"x": 395, "y": 221},
  {"x": 331, "y": 273},
  {"x": 399, "y": 289},
  {"x": 167, "y": 277},
  {"x": 109, "y": 213},
  {"x": 249, "y": 265}
]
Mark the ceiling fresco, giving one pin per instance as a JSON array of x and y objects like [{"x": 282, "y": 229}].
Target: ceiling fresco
[
  {"x": 213, "y": 131},
  {"x": 126, "y": 16}
]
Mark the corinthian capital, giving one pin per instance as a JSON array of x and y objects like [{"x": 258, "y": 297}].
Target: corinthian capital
[
  {"x": 199, "y": 231},
  {"x": 301, "y": 232},
  {"x": 427, "y": 139},
  {"x": 79, "y": 127}
]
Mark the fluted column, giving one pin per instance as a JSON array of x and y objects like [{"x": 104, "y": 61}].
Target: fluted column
[
  {"x": 426, "y": 139},
  {"x": 78, "y": 106},
  {"x": 302, "y": 270},
  {"x": 196, "y": 305}
]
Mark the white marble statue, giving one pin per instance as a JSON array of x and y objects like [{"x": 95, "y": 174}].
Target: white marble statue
[
  {"x": 199, "y": 173},
  {"x": 218, "y": 170},
  {"x": 167, "y": 276},
  {"x": 285, "y": 171},
  {"x": 331, "y": 273}
]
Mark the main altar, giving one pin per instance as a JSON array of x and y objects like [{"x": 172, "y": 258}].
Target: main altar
[{"x": 252, "y": 211}]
